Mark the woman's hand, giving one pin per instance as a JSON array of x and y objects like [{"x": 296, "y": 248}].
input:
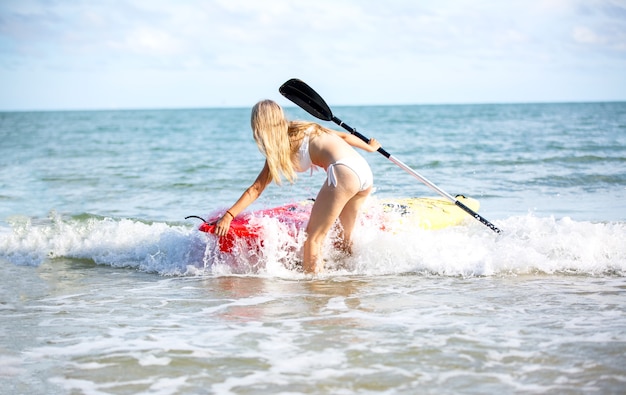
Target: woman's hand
[
  {"x": 374, "y": 145},
  {"x": 222, "y": 226}
]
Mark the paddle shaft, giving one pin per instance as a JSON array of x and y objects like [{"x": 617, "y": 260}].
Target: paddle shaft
[
  {"x": 304, "y": 96},
  {"x": 415, "y": 174}
]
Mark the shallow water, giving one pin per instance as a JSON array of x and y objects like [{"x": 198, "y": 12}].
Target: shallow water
[
  {"x": 347, "y": 334},
  {"x": 106, "y": 289}
]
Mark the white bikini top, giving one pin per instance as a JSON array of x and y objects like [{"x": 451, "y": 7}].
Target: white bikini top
[{"x": 304, "y": 157}]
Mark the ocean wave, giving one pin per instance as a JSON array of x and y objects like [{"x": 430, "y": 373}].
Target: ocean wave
[{"x": 528, "y": 245}]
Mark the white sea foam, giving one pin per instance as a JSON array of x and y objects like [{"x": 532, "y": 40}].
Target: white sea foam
[
  {"x": 529, "y": 244},
  {"x": 153, "y": 247}
]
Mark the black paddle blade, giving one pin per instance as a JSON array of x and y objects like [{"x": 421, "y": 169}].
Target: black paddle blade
[{"x": 306, "y": 98}]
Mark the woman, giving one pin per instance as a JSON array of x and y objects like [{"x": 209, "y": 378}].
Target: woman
[{"x": 298, "y": 146}]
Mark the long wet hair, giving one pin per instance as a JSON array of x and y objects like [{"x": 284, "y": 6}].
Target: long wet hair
[{"x": 279, "y": 140}]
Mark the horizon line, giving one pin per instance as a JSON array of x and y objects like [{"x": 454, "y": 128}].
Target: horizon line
[{"x": 235, "y": 107}]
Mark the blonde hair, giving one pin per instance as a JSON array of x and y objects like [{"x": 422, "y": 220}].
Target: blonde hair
[{"x": 277, "y": 139}]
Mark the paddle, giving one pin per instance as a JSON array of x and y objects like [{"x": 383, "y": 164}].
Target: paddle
[{"x": 304, "y": 96}]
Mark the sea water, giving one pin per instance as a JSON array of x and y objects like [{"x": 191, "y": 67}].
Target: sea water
[{"x": 107, "y": 289}]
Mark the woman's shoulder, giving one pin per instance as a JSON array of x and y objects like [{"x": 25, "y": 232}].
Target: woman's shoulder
[
  {"x": 299, "y": 129},
  {"x": 301, "y": 125}
]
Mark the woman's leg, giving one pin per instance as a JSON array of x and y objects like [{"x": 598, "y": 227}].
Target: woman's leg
[
  {"x": 348, "y": 218},
  {"x": 329, "y": 204}
]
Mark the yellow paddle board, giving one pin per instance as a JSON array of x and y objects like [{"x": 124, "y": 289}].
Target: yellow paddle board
[{"x": 428, "y": 213}]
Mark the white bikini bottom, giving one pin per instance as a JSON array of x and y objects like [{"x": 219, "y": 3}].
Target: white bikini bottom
[{"x": 358, "y": 165}]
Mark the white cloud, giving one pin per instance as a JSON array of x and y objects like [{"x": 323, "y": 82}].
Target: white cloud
[
  {"x": 398, "y": 48},
  {"x": 150, "y": 41},
  {"x": 585, "y": 35}
]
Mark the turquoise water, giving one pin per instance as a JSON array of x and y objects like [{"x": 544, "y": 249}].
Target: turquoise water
[{"x": 106, "y": 288}]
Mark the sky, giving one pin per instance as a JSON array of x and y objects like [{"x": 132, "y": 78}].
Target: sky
[{"x": 137, "y": 54}]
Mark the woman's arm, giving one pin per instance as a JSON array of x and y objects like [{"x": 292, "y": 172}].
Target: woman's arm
[
  {"x": 354, "y": 141},
  {"x": 246, "y": 199}
]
